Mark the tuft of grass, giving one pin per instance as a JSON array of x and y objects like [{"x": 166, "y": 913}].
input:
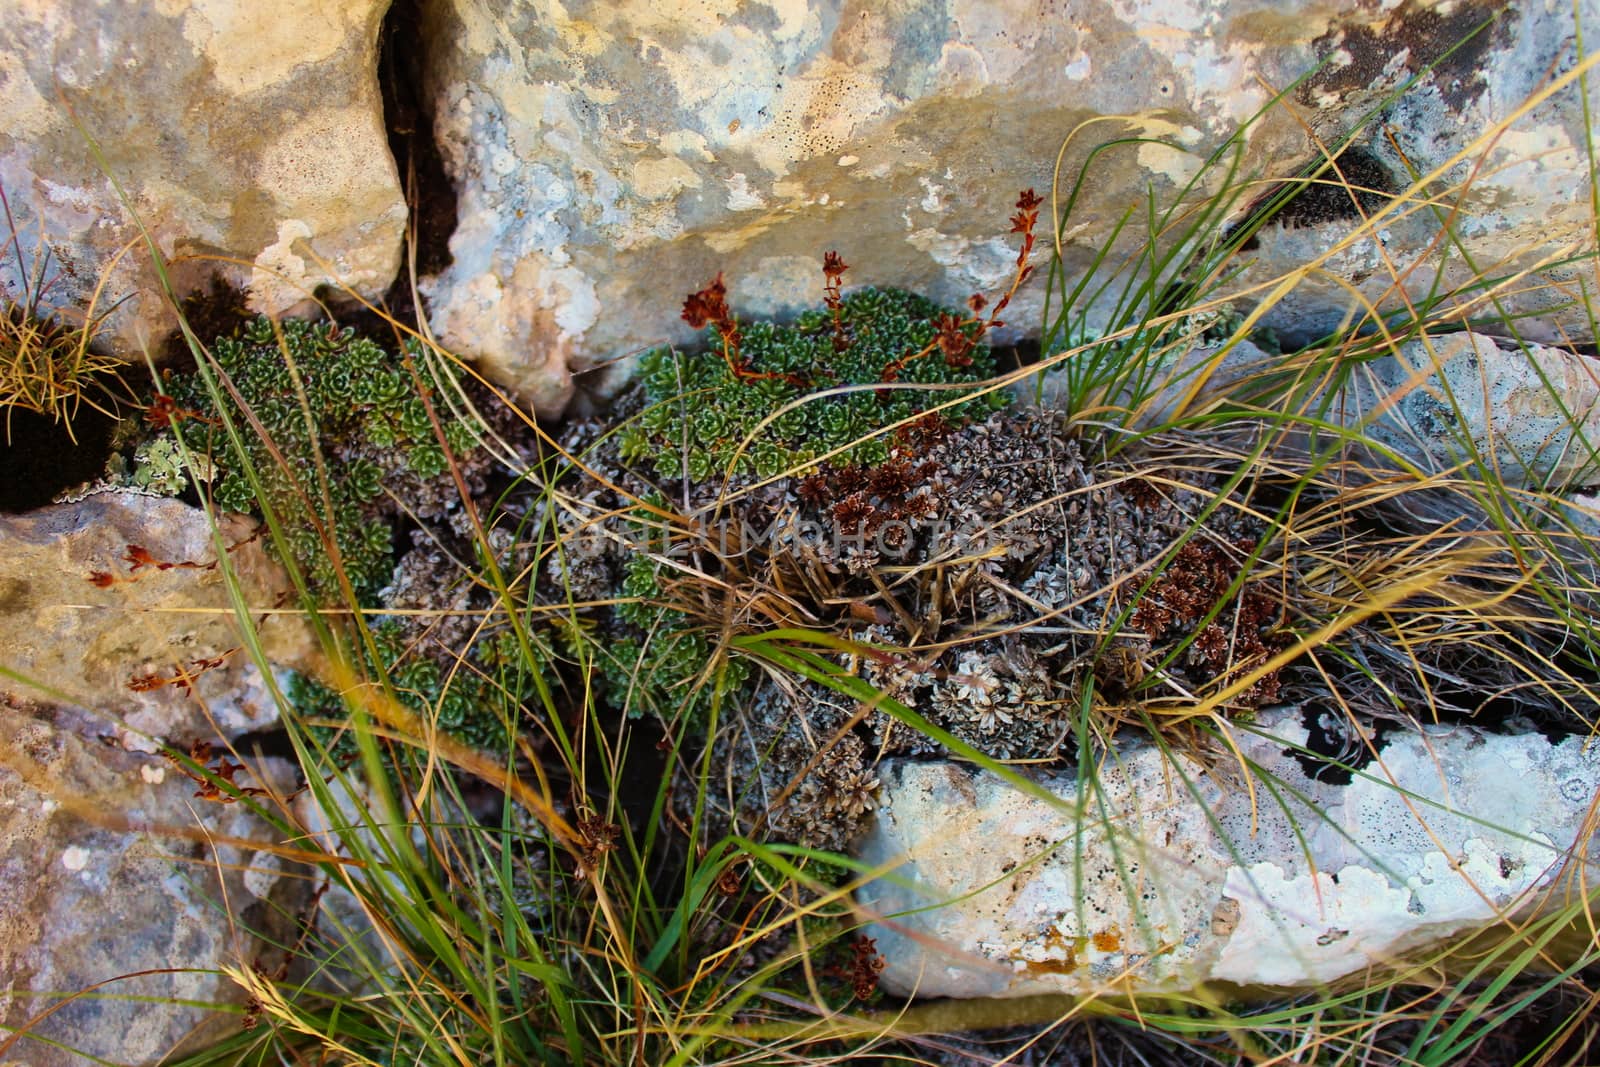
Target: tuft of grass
[{"x": 47, "y": 363}]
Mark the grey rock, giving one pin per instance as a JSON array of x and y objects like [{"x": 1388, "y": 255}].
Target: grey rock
[
  {"x": 1183, "y": 385},
  {"x": 236, "y": 131},
  {"x": 1463, "y": 401},
  {"x": 1530, "y": 413},
  {"x": 1168, "y": 874},
  {"x": 104, "y": 601},
  {"x": 609, "y": 164},
  {"x": 112, "y": 867},
  {"x": 1516, "y": 197}
]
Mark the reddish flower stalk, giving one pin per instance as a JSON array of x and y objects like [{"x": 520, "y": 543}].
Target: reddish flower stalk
[
  {"x": 833, "y": 268},
  {"x": 709, "y": 307},
  {"x": 952, "y": 339},
  {"x": 862, "y": 969},
  {"x": 163, "y": 411}
]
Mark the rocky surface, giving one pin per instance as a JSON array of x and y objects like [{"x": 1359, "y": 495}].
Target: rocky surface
[
  {"x": 1497, "y": 131},
  {"x": 113, "y": 867},
  {"x": 1177, "y": 874},
  {"x": 1531, "y": 413},
  {"x": 235, "y": 130},
  {"x": 610, "y": 163},
  {"x": 110, "y": 604}
]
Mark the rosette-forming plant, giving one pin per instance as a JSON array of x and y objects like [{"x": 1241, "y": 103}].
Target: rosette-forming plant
[
  {"x": 345, "y": 447},
  {"x": 336, "y": 440},
  {"x": 763, "y": 401}
]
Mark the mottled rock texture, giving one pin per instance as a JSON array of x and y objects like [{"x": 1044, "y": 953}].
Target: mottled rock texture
[
  {"x": 238, "y": 130},
  {"x": 1448, "y": 402},
  {"x": 1530, "y": 413},
  {"x": 1177, "y": 874},
  {"x": 112, "y": 867},
  {"x": 611, "y": 158},
  {"x": 105, "y": 601},
  {"x": 1479, "y": 102}
]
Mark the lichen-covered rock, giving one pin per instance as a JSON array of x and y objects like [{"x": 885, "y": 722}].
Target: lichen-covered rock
[
  {"x": 113, "y": 602},
  {"x": 607, "y": 163},
  {"x": 1169, "y": 874},
  {"x": 235, "y": 130},
  {"x": 1516, "y": 197},
  {"x": 1529, "y": 413},
  {"x": 113, "y": 867}
]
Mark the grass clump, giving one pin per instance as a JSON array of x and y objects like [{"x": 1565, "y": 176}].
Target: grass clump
[
  {"x": 460, "y": 695},
  {"x": 46, "y": 363},
  {"x": 659, "y": 659}
]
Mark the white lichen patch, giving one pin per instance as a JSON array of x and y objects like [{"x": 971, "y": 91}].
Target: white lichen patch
[
  {"x": 74, "y": 858},
  {"x": 982, "y": 265},
  {"x": 740, "y": 196},
  {"x": 278, "y": 277},
  {"x": 263, "y": 874},
  {"x": 666, "y": 176},
  {"x": 1176, "y": 876},
  {"x": 1176, "y": 165}
]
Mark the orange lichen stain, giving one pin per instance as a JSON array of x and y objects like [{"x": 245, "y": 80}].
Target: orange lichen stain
[
  {"x": 1108, "y": 940},
  {"x": 1062, "y": 966},
  {"x": 1056, "y": 941}
]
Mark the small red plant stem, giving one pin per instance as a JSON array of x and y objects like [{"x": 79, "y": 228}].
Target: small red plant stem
[{"x": 1023, "y": 222}]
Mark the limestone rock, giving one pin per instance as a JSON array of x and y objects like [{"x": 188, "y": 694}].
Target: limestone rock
[
  {"x": 111, "y": 867},
  {"x": 236, "y": 130},
  {"x": 1517, "y": 196},
  {"x": 1196, "y": 377},
  {"x": 610, "y": 163},
  {"x": 105, "y": 601},
  {"x": 1531, "y": 414},
  {"x": 1176, "y": 875}
]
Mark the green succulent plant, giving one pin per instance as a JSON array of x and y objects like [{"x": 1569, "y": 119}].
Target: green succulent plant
[
  {"x": 475, "y": 703},
  {"x": 657, "y": 666},
  {"x": 704, "y": 417},
  {"x": 347, "y": 400}
]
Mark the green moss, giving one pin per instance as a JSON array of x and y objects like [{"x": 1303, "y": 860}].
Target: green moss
[
  {"x": 359, "y": 411},
  {"x": 700, "y": 413}
]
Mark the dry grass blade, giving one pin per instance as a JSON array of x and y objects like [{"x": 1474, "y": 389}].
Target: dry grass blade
[{"x": 47, "y": 364}]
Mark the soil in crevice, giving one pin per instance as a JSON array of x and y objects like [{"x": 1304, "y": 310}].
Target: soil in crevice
[
  {"x": 402, "y": 60},
  {"x": 40, "y": 459}
]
